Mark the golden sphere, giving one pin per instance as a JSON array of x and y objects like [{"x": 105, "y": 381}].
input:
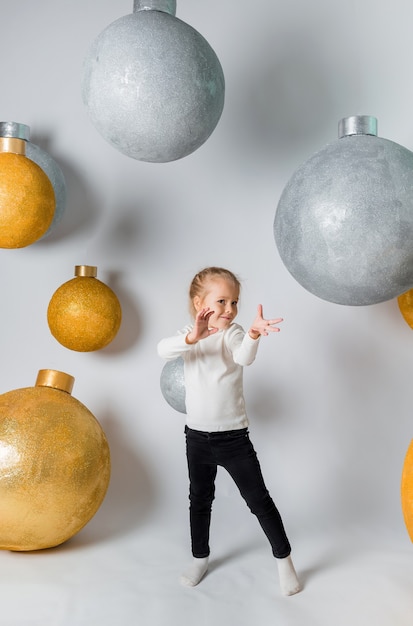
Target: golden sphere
[
  {"x": 54, "y": 467},
  {"x": 84, "y": 314},
  {"x": 27, "y": 201},
  {"x": 405, "y": 302},
  {"x": 407, "y": 490}
]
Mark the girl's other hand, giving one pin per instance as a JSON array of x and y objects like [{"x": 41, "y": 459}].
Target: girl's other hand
[{"x": 261, "y": 326}]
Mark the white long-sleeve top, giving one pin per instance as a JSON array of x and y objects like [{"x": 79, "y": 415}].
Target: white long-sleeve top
[{"x": 213, "y": 370}]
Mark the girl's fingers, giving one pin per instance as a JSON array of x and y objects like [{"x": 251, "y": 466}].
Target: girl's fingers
[
  {"x": 204, "y": 314},
  {"x": 272, "y": 322}
]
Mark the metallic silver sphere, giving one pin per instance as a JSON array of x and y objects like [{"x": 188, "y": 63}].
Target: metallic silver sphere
[
  {"x": 344, "y": 222},
  {"x": 55, "y": 175},
  {"x": 47, "y": 164},
  {"x": 152, "y": 85},
  {"x": 173, "y": 384}
]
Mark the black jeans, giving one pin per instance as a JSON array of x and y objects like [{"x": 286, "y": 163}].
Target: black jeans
[{"x": 234, "y": 451}]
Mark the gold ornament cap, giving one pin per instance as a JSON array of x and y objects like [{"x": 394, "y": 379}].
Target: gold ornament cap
[
  {"x": 86, "y": 270},
  {"x": 56, "y": 380},
  {"x": 12, "y": 144}
]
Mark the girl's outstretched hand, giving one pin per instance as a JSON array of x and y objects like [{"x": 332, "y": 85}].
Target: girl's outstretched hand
[
  {"x": 201, "y": 329},
  {"x": 261, "y": 326}
]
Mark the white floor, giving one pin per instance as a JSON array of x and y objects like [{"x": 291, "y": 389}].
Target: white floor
[{"x": 114, "y": 574}]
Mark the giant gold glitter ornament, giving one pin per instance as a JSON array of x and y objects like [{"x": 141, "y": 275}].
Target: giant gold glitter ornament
[
  {"x": 152, "y": 85},
  {"x": 84, "y": 314},
  {"x": 344, "y": 222},
  {"x": 54, "y": 464},
  {"x": 45, "y": 161},
  {"x": 405, "y": 302},
  {"x": 27, "y": 199},
  {"x": 407, "y": 490}
]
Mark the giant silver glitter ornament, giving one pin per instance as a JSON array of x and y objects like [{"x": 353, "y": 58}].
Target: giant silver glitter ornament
[
  {"x": 344, "y": 222},
  {"x": 43, "y": 160},
  {"x": 152, "y": 85},
  {"x": 173, "y": 384}
]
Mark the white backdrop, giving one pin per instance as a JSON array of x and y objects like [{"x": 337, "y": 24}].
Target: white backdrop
[{"x": 329, "y": 397}]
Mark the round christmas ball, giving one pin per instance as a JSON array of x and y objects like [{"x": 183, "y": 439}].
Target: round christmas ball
[
  {"x": 84, "y": 314},
  {"x": 173, "y": 384},
  {"x": 27, "y": 201},
  {"x": 405, "y": 302},
  {"x": 43, "y": 159},
  {"x": 55, "y": 464},
  {"x": 407, "y": 490},
  {"x": 55, "y": 175},
  {"x": 152, "y": 85},
  {"x": 344, "y": 223}
]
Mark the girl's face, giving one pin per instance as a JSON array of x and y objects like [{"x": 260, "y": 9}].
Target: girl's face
[{"x": 221, "y": 296}]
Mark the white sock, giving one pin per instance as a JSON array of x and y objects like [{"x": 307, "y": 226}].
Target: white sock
[
  {"x": 288, "y": 578},
  {"x": 195, "y": 572}
]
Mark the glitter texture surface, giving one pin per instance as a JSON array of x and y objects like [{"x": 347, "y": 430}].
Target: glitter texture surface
[
  {"x": 407, "y": 490},
  {"x": 344, "y": 222},
  {"x": 153, "y": 86},
  {"x": 84, "y": 314},
  {"x": 27, "y": 201},
  {"x": 54, "y": 467},
  {"x": 45, "y": 161},
  {"x": 173, "y": 384},
  {"x": 405, "y": 302}
]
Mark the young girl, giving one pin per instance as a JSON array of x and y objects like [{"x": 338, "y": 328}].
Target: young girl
[{"x": 215, "y": 350}]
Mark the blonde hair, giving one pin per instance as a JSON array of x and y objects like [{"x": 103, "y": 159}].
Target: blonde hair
[{"x": 198, "y": 286}]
